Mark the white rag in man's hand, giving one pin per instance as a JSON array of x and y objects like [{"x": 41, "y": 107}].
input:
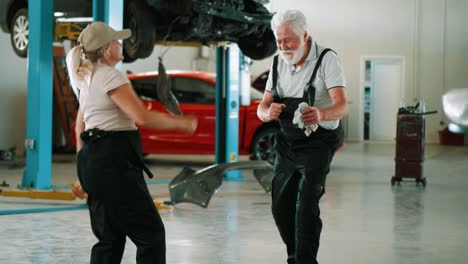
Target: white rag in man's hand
[{"x": 297, "y": 120}]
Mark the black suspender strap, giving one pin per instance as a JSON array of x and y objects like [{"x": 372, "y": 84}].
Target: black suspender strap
[
  {"x": 274, "y": 92},
  {"x": 311, "y": 91}
]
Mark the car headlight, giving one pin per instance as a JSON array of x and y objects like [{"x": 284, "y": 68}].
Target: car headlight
[{"x": 455, "y": 104}]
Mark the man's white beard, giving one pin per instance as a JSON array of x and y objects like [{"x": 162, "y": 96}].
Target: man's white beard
[{"x": 293, "y": 56}]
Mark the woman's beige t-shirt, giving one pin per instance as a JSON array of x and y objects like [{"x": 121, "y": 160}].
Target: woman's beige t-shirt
[{"x": 98, "y": 109}]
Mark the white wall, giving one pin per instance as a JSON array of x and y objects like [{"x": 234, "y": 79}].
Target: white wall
[
  {"x": 13, "y": 84},
  {"x": 434, "y": 43},
  {"x": 431, "y": 34}
]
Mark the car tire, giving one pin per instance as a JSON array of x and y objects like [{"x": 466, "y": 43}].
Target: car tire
[
  {"x": 138, "y": 19},
  {"x": 127, "y": 58},
  {"x": 258, "y": 48},
  {"x": 262, "y": 146},
  {"x": 19, "y": 29}
]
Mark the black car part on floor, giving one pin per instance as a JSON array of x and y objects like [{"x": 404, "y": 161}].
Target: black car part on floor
[{"x": 198, "y": 187}]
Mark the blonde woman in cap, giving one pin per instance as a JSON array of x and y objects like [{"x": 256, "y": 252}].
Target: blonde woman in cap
[{"x": 109, "y": 160}]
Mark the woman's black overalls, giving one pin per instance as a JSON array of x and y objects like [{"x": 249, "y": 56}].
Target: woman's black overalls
[
  {"x": 301, "y": 166},
  {"x": 110, "y": 169}
]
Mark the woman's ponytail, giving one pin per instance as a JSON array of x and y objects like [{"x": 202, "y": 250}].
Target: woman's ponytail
[{"x": 73, "y": 65}]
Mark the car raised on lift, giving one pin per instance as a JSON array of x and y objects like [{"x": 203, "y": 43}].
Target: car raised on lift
[{"x": 245, "y": 22}]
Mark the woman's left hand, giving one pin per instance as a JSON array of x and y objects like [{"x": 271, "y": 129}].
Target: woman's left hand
[{"x": 77, "y": 190}]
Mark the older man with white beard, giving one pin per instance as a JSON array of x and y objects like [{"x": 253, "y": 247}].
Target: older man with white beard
[{"x": 305, "y": 89}]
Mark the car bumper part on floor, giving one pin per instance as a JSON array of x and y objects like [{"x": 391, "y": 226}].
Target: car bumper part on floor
[{"x": 198, "y": 187}]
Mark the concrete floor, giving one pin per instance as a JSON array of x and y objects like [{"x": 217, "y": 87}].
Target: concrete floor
[{"x": 366, "y": 220}]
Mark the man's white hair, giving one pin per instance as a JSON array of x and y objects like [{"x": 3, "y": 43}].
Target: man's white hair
[{"x": 292, "y": 17}]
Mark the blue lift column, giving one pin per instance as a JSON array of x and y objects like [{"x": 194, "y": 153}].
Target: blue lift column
[
  {"x": 101, "y": 10},
  {"x": 38, "y": 143},
  {"x": 110, "y": 12},
  {"x": 227, "y": 107}
]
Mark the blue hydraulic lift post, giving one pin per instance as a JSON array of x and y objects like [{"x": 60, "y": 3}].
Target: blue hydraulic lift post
[
  {"x": 38, "y": 143},
  {"x": 115, "y": 18},
  {"x": 101, "y": 10},
  {"x": 110, "y": 12},
  {"x": 220, "y": 146},
  {"x": 227, "y": 109},
  {"x": 232, "y": 110}
]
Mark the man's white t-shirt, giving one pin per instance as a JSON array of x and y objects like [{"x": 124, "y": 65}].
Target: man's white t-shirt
[
  {"x": 98, "y": 109},
  {"x": 293, "y": 82}
]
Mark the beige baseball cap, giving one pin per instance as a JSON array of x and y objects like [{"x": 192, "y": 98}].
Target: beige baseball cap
[{"x": 98, "y": 34}]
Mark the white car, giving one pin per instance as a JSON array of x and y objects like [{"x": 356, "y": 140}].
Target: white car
[{"x": 455, "y": 103}]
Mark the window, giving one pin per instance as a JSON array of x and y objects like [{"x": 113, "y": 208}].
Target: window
[
  {"x": 189, "y": 90},
  {"x": 146, "y": 87}
]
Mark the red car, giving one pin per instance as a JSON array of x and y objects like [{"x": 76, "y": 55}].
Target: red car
[
  {"x": 195, "y": 92},
  {"x": 259, "y": 83}
]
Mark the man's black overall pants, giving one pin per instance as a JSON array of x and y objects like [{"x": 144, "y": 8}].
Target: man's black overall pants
[
  {"x": 110, "y": 170},
  {"x": 301, "y": 166}
]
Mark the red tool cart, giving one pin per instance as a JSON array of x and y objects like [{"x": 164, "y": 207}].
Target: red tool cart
[{"x": 409, "y": 158}]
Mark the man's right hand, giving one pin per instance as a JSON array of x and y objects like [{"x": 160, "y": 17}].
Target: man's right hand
[{"x": 275, "y": 110}]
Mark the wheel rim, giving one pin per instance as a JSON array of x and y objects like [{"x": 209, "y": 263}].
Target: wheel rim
[
  {"x": 264, "y": 150},
  {"x": 21, "y": 33}
]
